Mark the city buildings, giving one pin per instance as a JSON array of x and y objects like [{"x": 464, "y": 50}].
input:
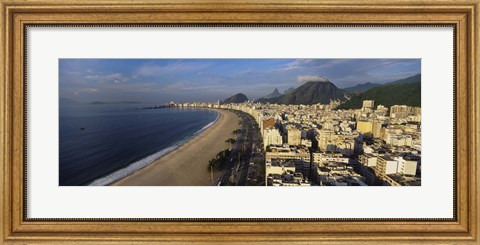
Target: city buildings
[
  {"x": 271, "y": 136},
  {"x": 294, "y": 135},
  {"x": 319, "y": 145}
]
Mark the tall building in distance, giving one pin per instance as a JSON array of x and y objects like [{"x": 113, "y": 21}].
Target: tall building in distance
[
  {"x": 402, "y": 111},
  {"x": 377, "y": 128},
  {"x": 368, "y": 104},
  {"x": 324, "y": 138},
  {"x": 294, "y": 135}
]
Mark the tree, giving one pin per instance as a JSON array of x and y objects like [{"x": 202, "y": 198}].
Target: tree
[
  {"x": 219, "y": 160},
  {"x": 231, "y": 140}
]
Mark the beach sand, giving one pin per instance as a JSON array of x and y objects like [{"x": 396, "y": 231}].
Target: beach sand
[{"x": 188, "y": 165}]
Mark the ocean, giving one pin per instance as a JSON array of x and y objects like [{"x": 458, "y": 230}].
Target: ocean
[{"x": 102, "y": 143}]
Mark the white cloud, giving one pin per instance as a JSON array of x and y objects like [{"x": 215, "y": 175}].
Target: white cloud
[
  {"x": 86, "y": 90},
  {"x": 113, "y": 78},
  {"x": 304, "y": 79},
  {"x": 179, "y": 86},
  {"x": 149, "y": 70}
]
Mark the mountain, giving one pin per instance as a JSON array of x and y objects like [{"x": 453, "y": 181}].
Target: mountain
[
  {"x": 312, "y": 92},
  {"x": 238, "y": 98},
  {"x": 289, "y": 90},
  {"x": 362, "y": 87},
  {"x": 389, "y": 94},
  {"x": 414, "y": 78},
  {"x": 273, "y": 94}
]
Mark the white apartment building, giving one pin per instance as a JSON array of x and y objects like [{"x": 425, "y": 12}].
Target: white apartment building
[
  {"x": 368, "y": 160},
  {"x": 271, "y": 136},
  {"x": 386, "y": 165},
  {"x": 287, "y": 153},
  {"x": 306, "y": 142},
  {"x": 368, "y": 104},
  {"x": 406, "y": 167},
  {"x": 399, "y": 140},
  {"x": 324, "y": 137}
]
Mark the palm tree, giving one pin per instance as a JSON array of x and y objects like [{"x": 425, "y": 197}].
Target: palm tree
[{"x": 231, "y": 140}]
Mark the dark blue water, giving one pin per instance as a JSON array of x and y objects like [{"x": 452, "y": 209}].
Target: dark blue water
[{"x": 118, "y": 139}]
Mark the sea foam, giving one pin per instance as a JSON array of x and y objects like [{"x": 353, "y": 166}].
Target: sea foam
[
  {"x": 130, "y": 169},
  {"x": 208, "y": 125}
]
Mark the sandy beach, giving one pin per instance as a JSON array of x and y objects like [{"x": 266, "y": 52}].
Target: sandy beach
[{"x": 187, "y": 165}]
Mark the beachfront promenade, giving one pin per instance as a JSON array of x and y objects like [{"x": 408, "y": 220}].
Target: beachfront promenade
[{"x": 246, "y": 150}]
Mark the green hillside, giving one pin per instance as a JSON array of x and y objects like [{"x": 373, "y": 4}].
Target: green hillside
[
  {"x": 411, "y": 79},
  {"x": 361, "y": 87},
  {"x": 388, "y": 95}
]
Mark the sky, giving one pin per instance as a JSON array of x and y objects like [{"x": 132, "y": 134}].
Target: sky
[{"x": 209, "y": 80}]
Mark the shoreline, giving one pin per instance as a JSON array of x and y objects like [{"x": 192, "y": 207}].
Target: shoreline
[
  {"x": 133, "y": 167},
  {"x": 187, "y": 165}
]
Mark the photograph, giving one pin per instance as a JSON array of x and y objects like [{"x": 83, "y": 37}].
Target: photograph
[
  {"x": 178, "y": 122},
  {"x": 240, "y": 122}
]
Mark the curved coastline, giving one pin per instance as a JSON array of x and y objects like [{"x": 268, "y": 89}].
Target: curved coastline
[
  {"x": 144, "y": 162},
  {"x": 186, "y": 164}
]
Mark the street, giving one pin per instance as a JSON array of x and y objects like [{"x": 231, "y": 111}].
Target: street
[{"x": 246, "y": 149}]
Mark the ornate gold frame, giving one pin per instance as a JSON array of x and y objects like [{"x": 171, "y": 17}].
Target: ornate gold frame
[{"x": 17, "y": 14}]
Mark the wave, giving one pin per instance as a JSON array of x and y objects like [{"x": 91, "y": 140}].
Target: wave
[
  {"x": 130, "y": 169},
  {"x": 208, "y": 125}
]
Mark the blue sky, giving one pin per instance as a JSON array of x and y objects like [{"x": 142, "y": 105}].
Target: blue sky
[{"x": 209, "y": 80}]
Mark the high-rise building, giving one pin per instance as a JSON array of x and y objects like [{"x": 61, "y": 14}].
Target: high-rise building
[
  {"x": 271, "y": 136},
  {"x": 368, "y": 159},
  {"x": 406, "y": 167},
  {"x": 368, "y": 104},
  {"x": 324, "y": 137},
  {"x": 270, "y": 122},
  {"x": 376, "y": 128},
  {"x": 365, "y": 127},
  {"x": 306, "y": 142},
  {"x": 386, "y": 165},
  {"x": 400, "y": 111},
  {"x": 294, "y": 136},
  {"x": 381, "y": 110}
]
